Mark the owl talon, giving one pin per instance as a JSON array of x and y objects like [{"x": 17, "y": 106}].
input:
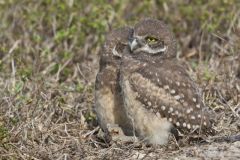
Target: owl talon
[
  {"x": 116, "y": 134},
  {"x": 114, "y": 129}
]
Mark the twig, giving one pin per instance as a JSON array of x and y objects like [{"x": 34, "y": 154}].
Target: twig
[
  {"x": 91, "y": 132},
  {"x": 231, "y": 139},
  {"x": 80, "y": 72},
  {"x": 15, "y": 45},
  {"x": 60, "y": 69},
  {"x": 227, "y": 103}
]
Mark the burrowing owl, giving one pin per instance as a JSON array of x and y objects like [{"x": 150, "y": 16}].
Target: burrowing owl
[
  {"x": 158, "y": 93},
  {"x": 108, "y": 99}
]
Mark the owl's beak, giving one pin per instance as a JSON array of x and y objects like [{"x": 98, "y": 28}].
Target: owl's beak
[{"x": 134, "y": 44}]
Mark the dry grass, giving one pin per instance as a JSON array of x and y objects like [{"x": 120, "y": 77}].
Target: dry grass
[{"x": 48, "y": 62}]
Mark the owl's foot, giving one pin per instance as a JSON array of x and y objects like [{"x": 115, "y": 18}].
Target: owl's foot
[{"x": 116, "y": 134}]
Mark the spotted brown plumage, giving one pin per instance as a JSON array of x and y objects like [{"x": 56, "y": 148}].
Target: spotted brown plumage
[
  {"x": 169, "y": 92},
  {"x": 158, "y": 93}
]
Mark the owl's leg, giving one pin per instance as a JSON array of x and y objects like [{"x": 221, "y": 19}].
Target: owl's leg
[
  {"x": 115, "y": 133},
  {"x": 175, "y": 133}
]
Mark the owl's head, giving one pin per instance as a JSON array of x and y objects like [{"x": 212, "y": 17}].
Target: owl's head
[
  {"x": 117, "y": 40},
  {"x": 153, "y": 37}
]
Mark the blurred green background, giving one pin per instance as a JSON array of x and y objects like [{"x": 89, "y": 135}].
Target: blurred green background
[{"x": 40, "y": 32}]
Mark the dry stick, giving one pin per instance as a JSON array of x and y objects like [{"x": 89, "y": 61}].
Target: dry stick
[
  {"x": 146, "y": 155},
  {"x": 60, "y": 69},
  {"x": 227, "y": 103},
  {"x": 232, "y": 23},
  {"x": 81, "y": 73},
  {"x": 91, "y": 132},
  {"x": 231, "y": 139},
  {"x": 15, "y": 45}
]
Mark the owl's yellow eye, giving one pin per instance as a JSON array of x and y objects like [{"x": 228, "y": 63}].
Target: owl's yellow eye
[{"x": 151, "y": 39}]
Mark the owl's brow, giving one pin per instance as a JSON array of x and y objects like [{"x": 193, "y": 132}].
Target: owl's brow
[
  {"x": 142, "y": 37},
  {"x": 151, "y": 51},
  {"x": 139, "y": 37}
]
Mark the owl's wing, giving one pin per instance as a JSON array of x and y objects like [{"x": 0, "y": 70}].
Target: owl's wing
[
  {"x": 166, "y": 89},
  {"x": 105, "y": 91}
]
